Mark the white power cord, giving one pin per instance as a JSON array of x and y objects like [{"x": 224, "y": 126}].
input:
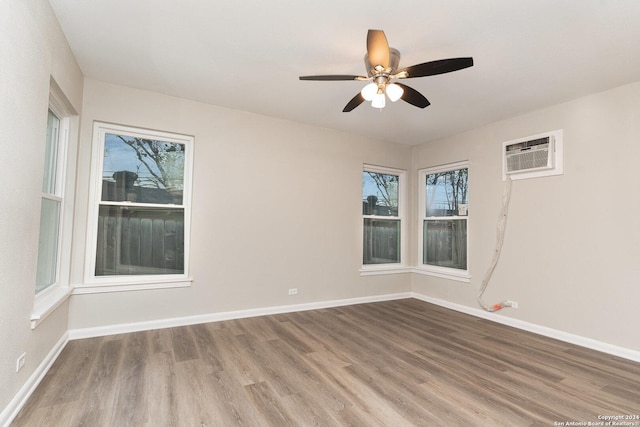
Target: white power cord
[{"x": 502, "y": 224}]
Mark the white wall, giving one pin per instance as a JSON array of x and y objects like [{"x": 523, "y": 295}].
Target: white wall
[
  {"x": 571, "y": 256},
  {"x": 32, "y": 49},
  {"x": 276, "y": 205}
]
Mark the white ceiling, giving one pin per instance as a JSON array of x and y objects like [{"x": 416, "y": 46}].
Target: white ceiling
[{"x": 248, "y": 54}]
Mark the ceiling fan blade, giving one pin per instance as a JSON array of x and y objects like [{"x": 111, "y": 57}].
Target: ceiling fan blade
[
  {"x": 355, "y": 101},
  {"x": 413, "y": 97},
  {"x": 437, "y": 67},
  {"x": 377, "y": 48},
  {"x": 333, "y": 77}
]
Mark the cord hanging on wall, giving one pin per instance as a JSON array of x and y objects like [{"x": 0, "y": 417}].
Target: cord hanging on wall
[{"x": 502, "y": 224}]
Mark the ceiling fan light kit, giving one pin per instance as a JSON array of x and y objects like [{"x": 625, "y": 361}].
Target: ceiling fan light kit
[
  {"x": 369, "y": 91},
  {"x": 394, "y": 92},
  {"x": 378, "y": 101},
  {"x": 381, "y": 62}
]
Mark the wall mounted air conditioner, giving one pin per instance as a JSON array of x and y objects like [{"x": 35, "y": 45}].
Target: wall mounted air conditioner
[{"x": 533, "y": 156}]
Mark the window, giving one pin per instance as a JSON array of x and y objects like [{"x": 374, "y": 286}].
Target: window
[
  {"x": 140, "y": 217},
  {"x": 444, "y": 215},
  {"x": 56, "y": 208},
  {"x": 51, "y": 205},
  {"x": 382, "y": 215}
]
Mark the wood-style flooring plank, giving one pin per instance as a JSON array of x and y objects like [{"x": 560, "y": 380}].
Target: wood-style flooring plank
[
  {"x": 130, "y": 406},
  {"x": 165, "y": 408},
  {"x": 394, "y": 363},
  {"x": 100, "y": 389}
]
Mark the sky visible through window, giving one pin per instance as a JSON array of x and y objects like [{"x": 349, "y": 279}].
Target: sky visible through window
[
  {"x": 373, "y": 185},
  {"x": 446, "y": 191},
  {"x": 118, "y": 156},
  {"x": 161, "y": 169}
]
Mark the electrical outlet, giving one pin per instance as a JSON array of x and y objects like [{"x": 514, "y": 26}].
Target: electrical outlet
[
  {"x": 293, "y": 291},
  {"x": 513, "y": 304},
  {"x": 20, "y": 362}
]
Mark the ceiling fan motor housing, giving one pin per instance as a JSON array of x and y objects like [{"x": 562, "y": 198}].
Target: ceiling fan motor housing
[{"x": 394, "y": 60}]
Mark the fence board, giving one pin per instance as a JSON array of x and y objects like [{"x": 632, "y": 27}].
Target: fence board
[{"x": 146, "y": 240}]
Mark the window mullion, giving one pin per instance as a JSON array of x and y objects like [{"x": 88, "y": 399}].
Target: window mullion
[
  {"x": 443, "y": 218},
  {"x": 140, "y": 205},
  {"x": 52, "y": 197}
]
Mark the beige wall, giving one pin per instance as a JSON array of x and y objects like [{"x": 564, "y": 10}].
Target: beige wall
[
  {"x": 571, "y": 256},
  {"x": 32, "y": 49},
  {"x": 276, "y": 205}
]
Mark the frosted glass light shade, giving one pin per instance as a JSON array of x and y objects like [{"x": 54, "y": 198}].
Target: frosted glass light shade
[
  {"x": 369, "y": 91},
  {"x": 394, "y": 92},
  {"x": 378, "y": 101}
]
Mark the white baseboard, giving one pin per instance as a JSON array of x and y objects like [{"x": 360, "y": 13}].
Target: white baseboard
[
  {"x": 227, "y": 315},
  {"x": 15, "y": 405},
  {"x": 536, "y": 329}
]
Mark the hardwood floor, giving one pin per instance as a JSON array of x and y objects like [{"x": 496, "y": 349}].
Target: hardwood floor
[{"x": 396, "y": 363}]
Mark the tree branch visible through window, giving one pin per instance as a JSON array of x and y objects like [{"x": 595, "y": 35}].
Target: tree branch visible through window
[
  {"x": 385, "y": 183},
  {"x": 157, "y": 152}
]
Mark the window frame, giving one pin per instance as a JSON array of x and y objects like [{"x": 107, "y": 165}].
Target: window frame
[
  {"x": 114, "y": 283},
  {"x": 57, "y": 195},
  {"x": 433, "y": 270},
  {"x": 387, "y": 268},
  {"x": 49, "y": 298}
]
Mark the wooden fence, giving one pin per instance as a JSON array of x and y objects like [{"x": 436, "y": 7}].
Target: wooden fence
[
  {"x": 445, "y": 243},
  {"x": 381, "y": 241},
  {"x": 135, "y": 242}
]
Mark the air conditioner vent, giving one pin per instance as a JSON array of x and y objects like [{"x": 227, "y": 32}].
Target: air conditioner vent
[
  {"x": 533, "y": 156},
  {"x": 530, "y": 155}
]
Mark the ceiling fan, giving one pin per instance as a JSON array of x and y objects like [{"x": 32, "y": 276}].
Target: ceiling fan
[{"x": 381, "y": 62}]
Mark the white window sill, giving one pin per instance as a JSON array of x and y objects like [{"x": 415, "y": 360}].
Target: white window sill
[
  {"x": 384, "y": 269},
  {"x": 46, "y": 303},
  {"x": 105, "y": 287},
  {"x": 444, "y": 274}
]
